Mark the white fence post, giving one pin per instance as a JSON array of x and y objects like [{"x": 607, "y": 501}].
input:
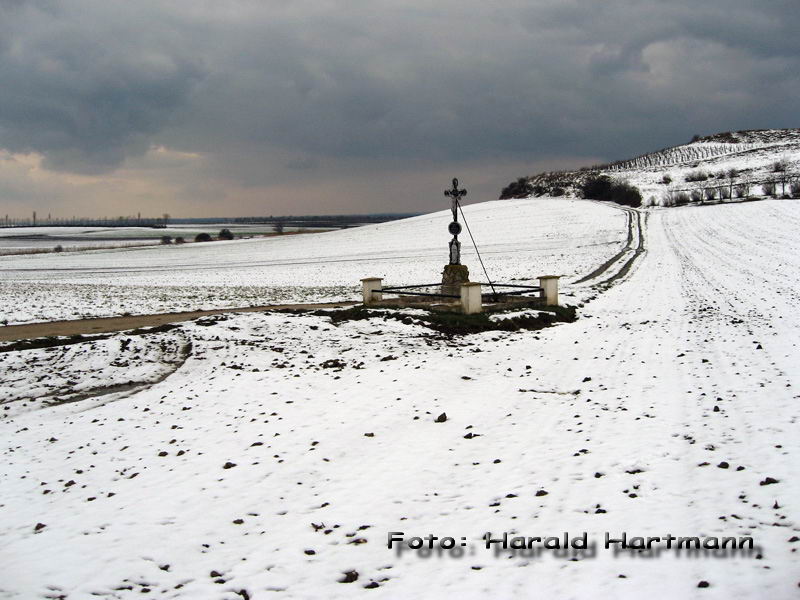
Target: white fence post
[
  {"x": 371, "y": 290},
  {"x": 549, "y": 285},
  {"x": 471, "y": 298}
]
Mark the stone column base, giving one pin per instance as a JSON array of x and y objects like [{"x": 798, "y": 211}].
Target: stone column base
[{"x": 452, "y": 278}]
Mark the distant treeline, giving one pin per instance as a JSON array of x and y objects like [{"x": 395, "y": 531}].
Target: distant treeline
[{"x": 309, "y": 221}]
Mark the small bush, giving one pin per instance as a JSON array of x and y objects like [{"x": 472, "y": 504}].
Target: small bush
[
  {"x": 725, "y": 193},
  {"x": 521, "y": 188},
  {"x": 710, "y": 194},
  {"x": 794, "y": 188},
  {"x": 180, "y": 240},
  {"x": 602, "y": 187},
  {"x": 58, "y": 248},
  {"x": 202, "y": 237},
  {"x": 225, "y": 234},
  {"x": 666, "y": 179},
  {"x": 682, "y": 198},
  {"x": 539, "y": 190},
  {"x": 769, "y": 188},
  {"x": 696, "y": 196},
  {"x": 780, "y": 166},
  {"x": 740, "y": 191},
  {"x": 596, "y": 187},
  {"x": 556, "y": 192},
  {"x": 166, "y": 239},
  {"x": 696, "y": 176}
]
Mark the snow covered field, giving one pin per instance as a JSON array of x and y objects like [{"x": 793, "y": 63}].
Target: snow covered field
[
  {"x": 518, "y": 239},
  {"x": 270, "y": 455}
]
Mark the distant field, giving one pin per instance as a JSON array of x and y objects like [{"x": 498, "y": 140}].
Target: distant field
[
  {"x": 23, "y": 238},
  {"x": 519, "y": 239}
]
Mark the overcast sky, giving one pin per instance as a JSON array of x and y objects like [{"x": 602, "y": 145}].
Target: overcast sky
[{"x": 223, "y": 108}]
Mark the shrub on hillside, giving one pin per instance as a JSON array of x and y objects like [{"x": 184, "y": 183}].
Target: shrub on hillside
[
  {"x": 666, "y": 179},
  {"x": 794, "y": 188},
  {"x": 166, "y": 239},
  {"x": 556, "y": 192},
  {"x": 696, "y": 176},
  {"x": 202, "y": 237},
  {"x": 180, "y": 240},
  {"x": 780, "y": 166},
  {"x": 696, "y": 196},
  {"x": 58, "y": 248},
  {"x": 602, "y": 187},
  {"x": 682, "y": 198},
  {"x": 710, "y": 194},
  {"x": 225, "y": 234},
  {"x": 521, "y": 188}
]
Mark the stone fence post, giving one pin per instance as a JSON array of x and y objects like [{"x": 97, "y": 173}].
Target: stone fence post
[
  {"x": 549, "y": 285},
  {"x": 371, "y": 290},
  {"x": 471, "y": 298}
]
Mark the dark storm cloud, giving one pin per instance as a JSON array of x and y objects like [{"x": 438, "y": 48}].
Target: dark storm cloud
[
  {"x": 84, "y": 87},
  {"x": 90, "y": 83}
]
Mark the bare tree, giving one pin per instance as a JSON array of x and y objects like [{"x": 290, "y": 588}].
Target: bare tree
[{"x": 732, "y": 174}]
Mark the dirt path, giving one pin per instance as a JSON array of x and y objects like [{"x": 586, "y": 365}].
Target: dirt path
[
  {"x": 633, "y": 249},
  {"x": 13, "y": 333}
]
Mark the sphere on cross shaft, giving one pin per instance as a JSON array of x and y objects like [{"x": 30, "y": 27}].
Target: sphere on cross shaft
[{"x": 454, "y": 228}]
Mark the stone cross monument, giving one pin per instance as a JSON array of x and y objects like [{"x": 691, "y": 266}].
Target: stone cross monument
[
  {"x": 454, "y": 273},
  {"x": 454, "y": 228}
]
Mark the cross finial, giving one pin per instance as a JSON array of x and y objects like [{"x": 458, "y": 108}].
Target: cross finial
[{"x": 455, "y": 193}]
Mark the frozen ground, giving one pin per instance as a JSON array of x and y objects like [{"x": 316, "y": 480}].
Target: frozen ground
[
  {"x": 266, "y": 455},
  {"x": 518, "y": 239}
]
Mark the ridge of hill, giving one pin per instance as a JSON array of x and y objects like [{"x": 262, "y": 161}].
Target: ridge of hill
[{"x": 733, "y": 165}]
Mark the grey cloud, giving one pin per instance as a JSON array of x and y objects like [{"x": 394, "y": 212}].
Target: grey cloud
[
  {"x": 386, "y": 83},
  {"x": 86, "y": 92}
]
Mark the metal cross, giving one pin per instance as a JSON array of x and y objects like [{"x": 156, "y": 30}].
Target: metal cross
[{"x": 455, "y": 195}]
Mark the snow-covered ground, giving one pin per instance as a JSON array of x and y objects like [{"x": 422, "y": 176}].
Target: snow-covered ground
[
  {"x": 519, "y": 239},
  {"x": 269, "y": 455}
]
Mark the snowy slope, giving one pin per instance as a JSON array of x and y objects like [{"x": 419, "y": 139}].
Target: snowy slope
[
  {"x": 752, "y": 154},
  {"x": 261, "y": 468},
  {"x": 517, "y": 238},
  {"x": 660, "y": 175}
]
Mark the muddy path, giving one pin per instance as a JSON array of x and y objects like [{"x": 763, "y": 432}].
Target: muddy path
[{"x": 76, "y": 327}]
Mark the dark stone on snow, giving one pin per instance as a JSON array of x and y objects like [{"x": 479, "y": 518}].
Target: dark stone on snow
[{"x": 349, "y": 577}]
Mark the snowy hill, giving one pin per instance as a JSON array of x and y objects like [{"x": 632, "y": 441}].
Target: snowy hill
[
  {"x": 720, "y": 167},
  {"x": 271, "y": 455}
]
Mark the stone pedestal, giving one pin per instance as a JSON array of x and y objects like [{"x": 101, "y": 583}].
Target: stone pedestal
[
  {"x": 549, "y": 285},
  {"x": 471, "y": 298},
  {"x": 452, "y": 278},
  {"x": 370, "y": 290}
]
